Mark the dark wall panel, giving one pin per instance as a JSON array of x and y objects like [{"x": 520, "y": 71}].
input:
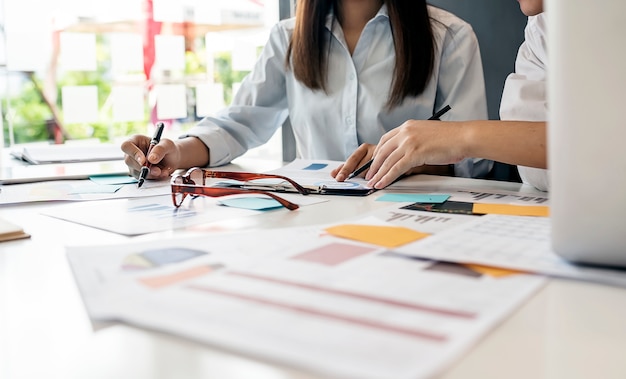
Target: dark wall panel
[{"x": 499, "y": 26}]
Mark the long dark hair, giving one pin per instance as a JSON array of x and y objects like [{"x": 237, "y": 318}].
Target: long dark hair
[{"x": 413, "y": 40}]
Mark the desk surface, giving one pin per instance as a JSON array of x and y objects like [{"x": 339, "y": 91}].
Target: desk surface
[{"x": 569, "y": 329}]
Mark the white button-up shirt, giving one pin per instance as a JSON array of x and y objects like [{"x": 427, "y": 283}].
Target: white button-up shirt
[
  {"x": 352, "y": 111},
  {"x": 524, "y": 96}
]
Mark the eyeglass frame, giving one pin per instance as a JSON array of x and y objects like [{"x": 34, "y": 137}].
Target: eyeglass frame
[{"x": 189, "y": 187}]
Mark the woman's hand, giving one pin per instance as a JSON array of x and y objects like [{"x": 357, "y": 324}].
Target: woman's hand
[
  {"x": 360, "y": 156},
  {"x": 165, "y": 156},
  {"x": 412, "y": 146}
]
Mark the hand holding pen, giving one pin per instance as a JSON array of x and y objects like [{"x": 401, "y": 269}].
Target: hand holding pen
[
  {"x": 145, "y": 170},
  {"x": 367, "y": 165}
]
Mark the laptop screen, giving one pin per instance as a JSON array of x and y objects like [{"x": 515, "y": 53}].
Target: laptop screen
[{"x": 587, "y": 129}]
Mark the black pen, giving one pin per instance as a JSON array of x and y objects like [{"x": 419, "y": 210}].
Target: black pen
[
  {"x": 367, "y": 165},
  {"x": 145, "y": 170}
]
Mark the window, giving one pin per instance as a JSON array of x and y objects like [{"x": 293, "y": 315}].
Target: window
[{"x": 77, "y": 70}]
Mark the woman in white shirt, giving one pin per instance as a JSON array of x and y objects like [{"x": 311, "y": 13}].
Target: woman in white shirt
[
  {"x": 519, "y": 139},
  {"x": 345, "y": 72}
]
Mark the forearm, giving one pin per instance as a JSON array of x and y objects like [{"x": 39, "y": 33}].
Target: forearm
[
  {"x": 513, "y": 142},
  {"x": 193, "y": 152}
]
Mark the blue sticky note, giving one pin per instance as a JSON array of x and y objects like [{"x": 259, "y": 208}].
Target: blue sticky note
[
  {"x": 253, "y": 203},
  {"x": 414, "y": 198},
  {"x": 164, "y": 256},
  {"x": 112, "y": 179},
  {"x": 315, "y": 166}
]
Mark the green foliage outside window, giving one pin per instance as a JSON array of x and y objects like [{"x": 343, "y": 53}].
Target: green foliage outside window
[{"x": 32, "y": 119}]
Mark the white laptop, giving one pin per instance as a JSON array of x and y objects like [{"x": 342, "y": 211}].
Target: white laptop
[{"x": 587, "y": 129}]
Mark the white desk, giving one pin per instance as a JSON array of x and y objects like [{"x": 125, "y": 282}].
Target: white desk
[{"x": 567, "y": 330}]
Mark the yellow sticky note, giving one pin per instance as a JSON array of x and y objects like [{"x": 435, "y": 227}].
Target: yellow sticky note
[
  {"x": 495, "y": 272},
  {"x": 512, "y": 210},
  {"x": 387, "y": 236}
]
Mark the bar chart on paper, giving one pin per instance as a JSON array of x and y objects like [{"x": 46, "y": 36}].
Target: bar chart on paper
[{"x": 298, "y": 304}]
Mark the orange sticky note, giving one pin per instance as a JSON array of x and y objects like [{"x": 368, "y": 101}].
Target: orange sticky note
[
  {"x": 495, "y": 272},
  {"x": 387, "y": 236},
  {"x": 512, "y": 210}
]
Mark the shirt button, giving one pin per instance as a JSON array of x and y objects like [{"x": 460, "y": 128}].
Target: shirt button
[
  {"x": 349, "y": 120},
  {"x": 352, "y": 76}
]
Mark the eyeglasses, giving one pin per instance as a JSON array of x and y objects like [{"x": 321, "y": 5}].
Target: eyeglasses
[{"x": 194, "y": 180}]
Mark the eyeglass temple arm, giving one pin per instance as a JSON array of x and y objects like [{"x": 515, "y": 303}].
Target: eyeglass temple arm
[
  {"x": 252, "y": 176},
  {"x": 217, "y": 192}
]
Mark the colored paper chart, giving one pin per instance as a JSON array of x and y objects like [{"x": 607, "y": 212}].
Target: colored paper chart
[
  {"x": 386, "y": 236},
  {"x": 158, "y": 257}
]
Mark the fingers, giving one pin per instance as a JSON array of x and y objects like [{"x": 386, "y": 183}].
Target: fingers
[
  {"x": 390, "y": 166},
  {"x": 335, "y": 171},
  {"x": 360, "y": 156},
  {"x": 389, "y": 172},
  {"x": 135, "y": 149},
  {"x": 392, "y": 158}
]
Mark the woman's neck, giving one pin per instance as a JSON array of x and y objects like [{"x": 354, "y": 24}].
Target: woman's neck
[{"x": 354, "y": 15}]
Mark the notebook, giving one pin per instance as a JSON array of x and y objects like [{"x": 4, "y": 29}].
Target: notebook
[{"x": 587, "y": 130}]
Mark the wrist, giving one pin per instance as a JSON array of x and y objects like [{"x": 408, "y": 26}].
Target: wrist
[{"x": 468, "y": 139}]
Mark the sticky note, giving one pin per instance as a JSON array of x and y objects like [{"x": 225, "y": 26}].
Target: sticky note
[
  {"x": 209, "y": 99},
  {"x": 169, "y": 279},
  {"x": 315, "y": 166},
  {"x": 80, "y": 104},
  {"x": 414, "y": 198},
  {"x": 387, "y": 236},
  {"x": 512, "y": 210},
  {"x": 253, "y": 203},
  {"x": 171, "y": 101},
  {"x": 170, "y": 52},
  {"x": 126, "y": 52},
  {"x": 128, "y": 103},
  {"x": 78, "y": 51},
  {"x": 495, "y": 272}
]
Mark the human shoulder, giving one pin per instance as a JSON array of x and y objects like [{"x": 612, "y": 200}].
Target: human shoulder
[
  {"x": 285, "y": 27},
  {"x": 448, "y": 21},
  {"x": 535, "y": 32},
  {"x": 537, "y": 24},
  {"x": 535, "y": 46},
  {"x": 280, "y": 35}
]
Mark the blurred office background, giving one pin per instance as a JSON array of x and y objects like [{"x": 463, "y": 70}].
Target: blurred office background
[{"x": 86, "y": 70}]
